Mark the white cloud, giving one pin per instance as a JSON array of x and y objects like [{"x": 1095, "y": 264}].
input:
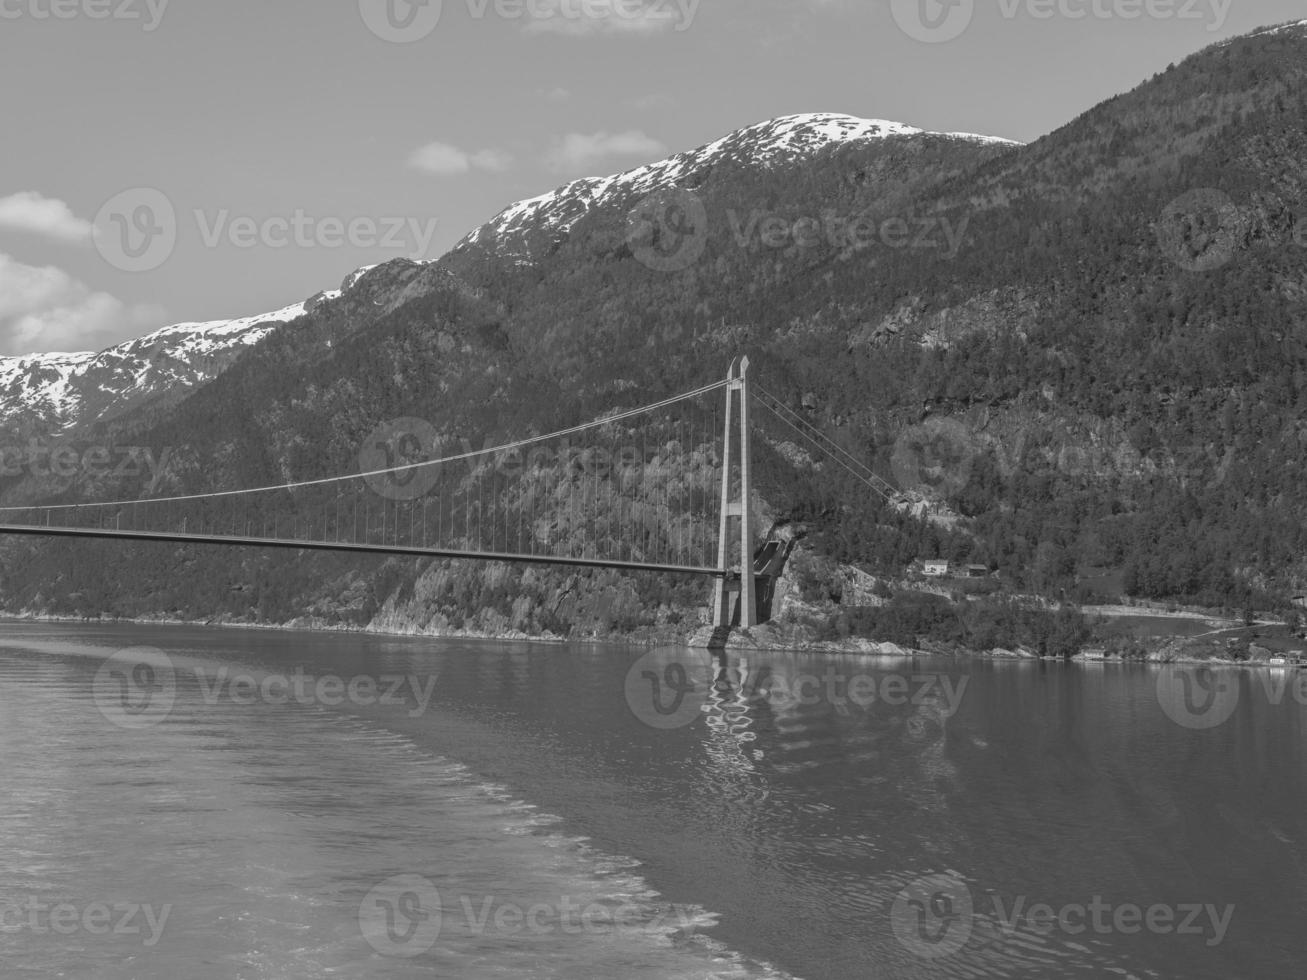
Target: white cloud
[
  {"x": 654, "y": 100},
  {"x": 444, "y": 160},
  {"x": 579, "y": 151},
  {"x": 45, "y": 309},
  {"x": 495, "y": 161},
  {"x": 32, "y": 212},
  {"x": 585, "y": 18}
]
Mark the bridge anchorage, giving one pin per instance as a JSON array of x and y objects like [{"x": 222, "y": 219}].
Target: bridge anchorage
[{"x": 646, "y": 489}]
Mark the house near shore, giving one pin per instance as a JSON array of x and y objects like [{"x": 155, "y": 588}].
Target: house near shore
[{"x": 944, "y": 569}]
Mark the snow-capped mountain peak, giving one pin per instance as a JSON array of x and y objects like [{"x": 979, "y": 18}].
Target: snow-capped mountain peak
[
  {"x": 769, "y": 143},
  {"x": 57, "y": 391},
  {"x": 808, "y": 132},
  {"x": 1281, "y": 29},
  {"x": 60, "y": 390}
]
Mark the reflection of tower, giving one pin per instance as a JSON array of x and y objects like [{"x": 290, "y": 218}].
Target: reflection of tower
[
  {"x": 727, "y": 610},
  {"x": 734, "y": 782},
  {"x": 728, "y": 713}
]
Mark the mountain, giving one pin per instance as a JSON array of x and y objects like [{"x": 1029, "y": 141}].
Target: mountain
[
  {"x": 50, "y": 392},
  {"x": 773, "y": 144},
  {"x": 1090, "y": 354},
  {"x": 57, "y": 392}
]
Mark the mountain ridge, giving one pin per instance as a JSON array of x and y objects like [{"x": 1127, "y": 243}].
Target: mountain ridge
[
  {"x": 55, "y": 391},
  {"x": 783, "y": 139}
]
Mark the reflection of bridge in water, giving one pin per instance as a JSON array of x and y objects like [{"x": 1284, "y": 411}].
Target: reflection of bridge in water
[{"x": 662, "y": 488}]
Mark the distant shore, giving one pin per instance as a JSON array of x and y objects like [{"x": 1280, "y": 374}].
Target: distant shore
[
  {"x": 312, "y": 626},
  {"x": 770, "y": 637}
]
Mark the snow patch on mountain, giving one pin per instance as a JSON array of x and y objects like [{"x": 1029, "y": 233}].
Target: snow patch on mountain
[
  {"x": 60, "y": 390},
  {"x": 1293, "y": 26},
  {"x": 41, "y": 382},
  {"x": 769, "y": 143},
  {"x": 1297, "y": 26},
  {"x": 352, "y": 279},
  {"x": 200, "y": 339}
]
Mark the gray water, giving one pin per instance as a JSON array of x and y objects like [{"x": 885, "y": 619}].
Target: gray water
[{"x": 183, "y": 802}]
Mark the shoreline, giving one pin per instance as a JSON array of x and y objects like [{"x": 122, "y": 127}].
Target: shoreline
[
  {"x": 509, "y": 637},
  {"x": 763, "y": 639}
]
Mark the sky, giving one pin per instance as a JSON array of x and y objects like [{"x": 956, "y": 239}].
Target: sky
[{"x": 172, "y": 161}]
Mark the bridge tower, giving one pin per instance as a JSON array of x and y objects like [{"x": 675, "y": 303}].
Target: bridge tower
[{"x": 736, "y": 508}]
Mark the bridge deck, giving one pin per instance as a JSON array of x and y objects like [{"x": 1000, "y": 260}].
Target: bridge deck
[{"x": 346, "y": 546}]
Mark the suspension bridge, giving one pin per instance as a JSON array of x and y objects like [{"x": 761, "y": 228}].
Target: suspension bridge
[{"x": 662, "y": 488}]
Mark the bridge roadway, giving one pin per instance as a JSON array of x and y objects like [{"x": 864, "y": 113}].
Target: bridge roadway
[{"x": 38, "y": 530}]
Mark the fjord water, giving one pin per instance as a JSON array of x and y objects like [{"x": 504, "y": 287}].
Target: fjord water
[{"x": 763, "y": 831}]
